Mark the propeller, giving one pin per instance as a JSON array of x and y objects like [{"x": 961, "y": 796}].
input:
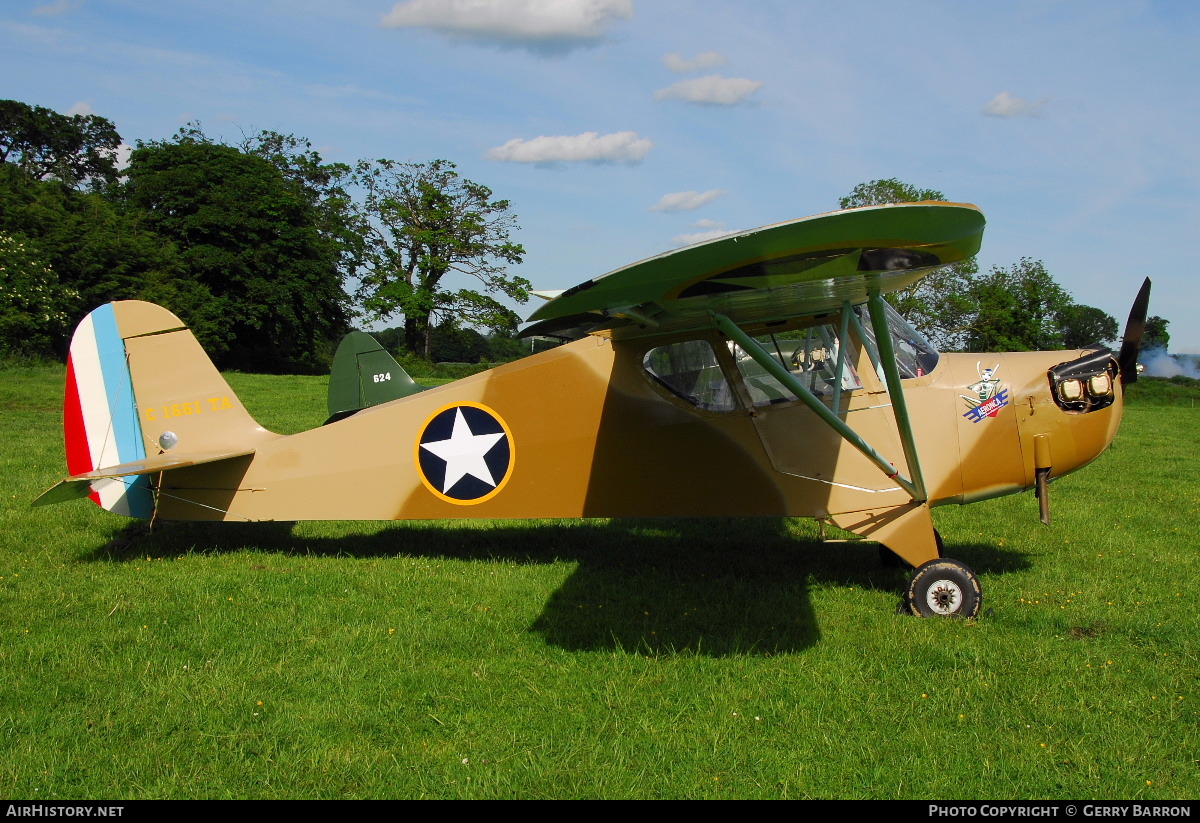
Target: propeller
[{"x": 1131, "y": 343}]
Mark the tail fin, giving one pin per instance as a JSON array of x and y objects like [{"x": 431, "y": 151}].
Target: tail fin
[
  {"x": 139, "y": 386},
  {"x": 364, "y": 375}
]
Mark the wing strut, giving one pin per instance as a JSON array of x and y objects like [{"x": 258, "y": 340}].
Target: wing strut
[
  {"x": 777, "y": 370},
  {"x": 891, "y": 373}
]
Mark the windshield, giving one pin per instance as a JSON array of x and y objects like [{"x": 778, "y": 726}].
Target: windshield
[{"x": 915, "y": 356}]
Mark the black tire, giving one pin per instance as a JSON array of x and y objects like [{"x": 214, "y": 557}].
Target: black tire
[{"x": 944, "y": 588}]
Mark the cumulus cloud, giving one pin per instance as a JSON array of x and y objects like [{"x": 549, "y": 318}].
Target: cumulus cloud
[
  {"x": 1005, "y": 105},
  {"x": 709, "y": 230},
  {"x": 686, "y": 200},
  {"x": 548, "y": 26},
  {"x": 82, "y": 107},
  {"x": 121, "y": 156},
  {"x": 705, "y": 60},
  {"x": 592, "y": 147},
  {"x": 713, "y": 90},
  {"x": 701, "y": 237},
  {"x": 56, "y": 9}
]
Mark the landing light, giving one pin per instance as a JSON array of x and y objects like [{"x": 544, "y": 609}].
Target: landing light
[
  {"x": 1070, "y": 391},
  {"x": 1100, "y": 385}
]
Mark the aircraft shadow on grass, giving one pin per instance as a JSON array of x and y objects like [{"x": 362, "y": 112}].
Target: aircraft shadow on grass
[{"x": 716, "y": 587}]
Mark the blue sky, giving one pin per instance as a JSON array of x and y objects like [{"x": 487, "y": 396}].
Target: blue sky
[{"x": 622, "y": 128}]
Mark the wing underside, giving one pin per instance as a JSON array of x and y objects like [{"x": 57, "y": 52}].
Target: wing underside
[{"x": 803, "y": 267}]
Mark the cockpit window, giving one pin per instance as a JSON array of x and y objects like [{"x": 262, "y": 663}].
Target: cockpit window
[
  {"x": 810, "y": 354},
  {"x": 915, "y": 356},
  {"x": 690, "y": 371}
]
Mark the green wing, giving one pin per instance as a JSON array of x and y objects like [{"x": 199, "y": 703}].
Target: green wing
[
  {"x": 792, "y": 269},
  {"x": 364, "y": 375}
]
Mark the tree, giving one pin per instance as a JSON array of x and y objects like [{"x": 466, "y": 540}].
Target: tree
[
  {"x": 881, "y": 192},
  {"x": 323, "y": 183},
  {"x": 253, "y": 239},
  {"x": 34, "y": 307},
  {"x": 1156, "y": 335},
  {"x": 454, "y": 344},
  {"x": 1086, "y": 325},
  {"x": 936, "y": 305},
  {"x": 97, "y": 252},
  {"x": 1020, "y": 308},
  {"x": 425, "y": 221},
  {"x": 45, "y": 144}
]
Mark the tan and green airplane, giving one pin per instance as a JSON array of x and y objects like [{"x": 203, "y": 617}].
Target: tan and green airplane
[{"x": 759, "y": 374}]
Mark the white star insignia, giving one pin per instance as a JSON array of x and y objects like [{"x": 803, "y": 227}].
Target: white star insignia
[{"x": 464, "y": 453}]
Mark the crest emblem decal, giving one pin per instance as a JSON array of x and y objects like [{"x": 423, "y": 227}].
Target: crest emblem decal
[
  {"x": 988, "y": 395},
  {"x": 464, "y": 453}
]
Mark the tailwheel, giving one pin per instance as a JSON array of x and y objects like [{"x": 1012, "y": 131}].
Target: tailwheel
[{"x": 946, "y": 588}]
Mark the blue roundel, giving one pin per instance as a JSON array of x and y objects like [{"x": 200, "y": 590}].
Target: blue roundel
[{"x": 464, "y": 453}]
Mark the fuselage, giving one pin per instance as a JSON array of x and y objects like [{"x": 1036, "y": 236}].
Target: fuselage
[{"x": 595, "y": 429}]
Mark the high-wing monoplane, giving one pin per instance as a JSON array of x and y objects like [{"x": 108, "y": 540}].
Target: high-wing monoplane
[{"x": 759, "y": 374}]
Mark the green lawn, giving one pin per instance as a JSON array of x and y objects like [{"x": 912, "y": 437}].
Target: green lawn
[{"x": 599, "y": 658}]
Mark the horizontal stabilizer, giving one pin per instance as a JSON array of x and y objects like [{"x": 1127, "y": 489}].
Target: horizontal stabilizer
[{"x": 82, "y": 485}]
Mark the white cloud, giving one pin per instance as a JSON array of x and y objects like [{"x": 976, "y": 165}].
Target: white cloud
[
  {"x": 55, "y": 9},
  {"x": 701, "y": 236},
  {"x": 705, "y": 60},
  {"x": 121, "y": 155},
  {"x": 686, "y": 200},
  {"x": 552, "y": 26},
  {"x": 713, "y": 90},
  {"x": 621, "y": 146},
  {"x": 1005, "y": 105},
  {"x": 82, "y": 107}
]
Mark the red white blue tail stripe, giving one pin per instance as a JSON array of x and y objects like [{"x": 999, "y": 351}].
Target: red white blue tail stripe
[{"x": 100, "y": 416}]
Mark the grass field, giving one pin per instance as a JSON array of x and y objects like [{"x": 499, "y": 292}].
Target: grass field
[{"x": 602, "y": 658}]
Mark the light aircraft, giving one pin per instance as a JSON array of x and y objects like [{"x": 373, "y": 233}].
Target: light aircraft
[{"x": 759, "y": 374}]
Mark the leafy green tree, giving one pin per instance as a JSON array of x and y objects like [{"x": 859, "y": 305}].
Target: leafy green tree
[
  {"x": 35, "y": 308},
  {"x": 253, "y": 239},
  {"x": 425, "y": 222},
  {"x": 1086, "y": 325},
  {"x": 1020, "y": 308},
  {"x": 72, "y": 149},
  {"x": 325, "y": 186},
  {"x": 937, "y": 304},
  {"x": 882, "y": 192},
  {"x": 1156, "y": 335},
  {"x": 97, "y": 251},
  {"x": 456, "y": 344}
]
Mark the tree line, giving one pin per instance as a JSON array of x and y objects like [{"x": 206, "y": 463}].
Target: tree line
[
  {"x": 270, "y": 253},
  {"x": 264, "y": 249}
]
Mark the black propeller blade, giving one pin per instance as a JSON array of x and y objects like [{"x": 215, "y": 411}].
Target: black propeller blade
[{"x": 1131, "y": 343}]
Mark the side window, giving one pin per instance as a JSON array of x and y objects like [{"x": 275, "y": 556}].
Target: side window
[
  {"x": 810, "y": 354},
  {"x": 690, "y": 371}
]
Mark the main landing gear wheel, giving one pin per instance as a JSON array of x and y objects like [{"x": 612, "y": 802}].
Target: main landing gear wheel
[{"x": 944, "y": 588}]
